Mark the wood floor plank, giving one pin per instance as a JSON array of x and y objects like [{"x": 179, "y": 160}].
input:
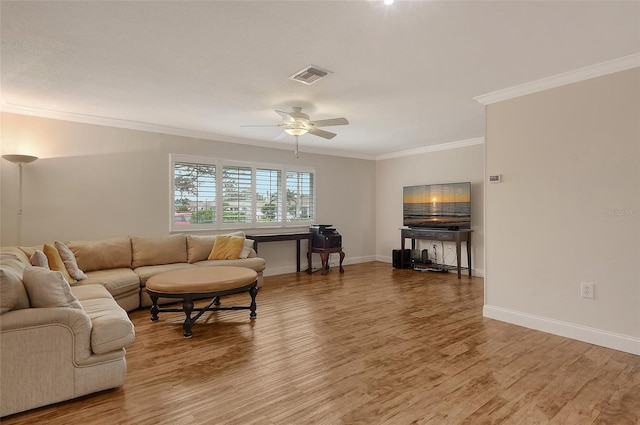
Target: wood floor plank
[{"x": 374, "y": 345}]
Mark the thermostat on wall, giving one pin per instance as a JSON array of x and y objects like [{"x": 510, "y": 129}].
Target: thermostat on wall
[{"x": 497, "y": 178}]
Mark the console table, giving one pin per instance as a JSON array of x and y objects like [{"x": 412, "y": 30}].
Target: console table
[
  {"x": 456, "y": 236},
  {"x": 275, "y": 237}
]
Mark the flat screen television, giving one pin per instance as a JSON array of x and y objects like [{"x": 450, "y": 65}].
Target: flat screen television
[{"x": 437, "y": 206}]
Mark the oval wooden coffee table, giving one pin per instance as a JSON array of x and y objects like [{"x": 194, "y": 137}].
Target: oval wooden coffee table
[{"x": 202, "y": 283}]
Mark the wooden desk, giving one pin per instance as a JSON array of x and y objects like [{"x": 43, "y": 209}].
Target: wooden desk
[
  {"x": 456, "y": 236},
  {"x": 276, "y": 237},
  {"x": 324, "y": 257}
]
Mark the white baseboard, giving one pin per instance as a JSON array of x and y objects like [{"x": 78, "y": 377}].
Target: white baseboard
[
  {"x": 386, "y": 259},
  {"x": 619, "y": 342},
  {"x": 316, "y": 264}
]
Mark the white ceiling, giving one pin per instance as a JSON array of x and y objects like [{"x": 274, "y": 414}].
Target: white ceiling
[{"x": 404, "y": 75}]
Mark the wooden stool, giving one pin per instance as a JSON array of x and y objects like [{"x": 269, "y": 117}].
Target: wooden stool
[
  {"x": 324, "y": 257},
  {"x": 202, "y": 283}
]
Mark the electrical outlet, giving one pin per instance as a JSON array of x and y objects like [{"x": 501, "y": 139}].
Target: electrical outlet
[{"x": 587, "y": 290}]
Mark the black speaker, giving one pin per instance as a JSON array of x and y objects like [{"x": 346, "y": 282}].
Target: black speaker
[{"x": 397, "y": 259}]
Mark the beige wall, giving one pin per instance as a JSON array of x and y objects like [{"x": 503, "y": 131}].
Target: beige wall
[
  {"x": 98, "y": 182},
  {"x": 445, "y": 166},
  {"x": 567, "y": 211}
]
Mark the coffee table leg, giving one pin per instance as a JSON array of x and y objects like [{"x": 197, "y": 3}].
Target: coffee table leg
[
  {"x": 154, "y": 308},
  {"x": 187, "y": 306},
  {"x": 216, "y": 301},
  {"x": 253, "y": 292}
]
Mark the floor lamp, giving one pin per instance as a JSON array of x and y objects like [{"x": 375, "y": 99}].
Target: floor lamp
[{"x": 20, "y": 159}]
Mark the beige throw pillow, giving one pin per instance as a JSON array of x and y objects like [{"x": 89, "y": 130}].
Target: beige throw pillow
[
  {"x": 246, "y": 248},
  {"x": 38, "y": 259},
  {"x": 69, "y": 261},
  {"x": 56, "y": 263},
  {"x": 9, "y": 285},
  {"x": 48, "y": 288}
]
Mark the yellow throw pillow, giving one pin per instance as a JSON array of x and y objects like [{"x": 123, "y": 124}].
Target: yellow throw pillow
[
  {"x": 227, "y": 248},
  {"x": 56, "y": 263}
]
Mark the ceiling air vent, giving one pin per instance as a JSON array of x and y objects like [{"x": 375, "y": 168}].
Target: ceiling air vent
[{"x": 309, "y": 75}]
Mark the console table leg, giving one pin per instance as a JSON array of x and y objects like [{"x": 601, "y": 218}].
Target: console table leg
[{"x": 341, "y": 259}]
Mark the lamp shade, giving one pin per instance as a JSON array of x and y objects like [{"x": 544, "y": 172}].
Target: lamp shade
[{"x": 19, "y": 159}]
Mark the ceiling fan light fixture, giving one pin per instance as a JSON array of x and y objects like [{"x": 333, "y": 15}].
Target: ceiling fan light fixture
[{"x": 296, "y": 131}]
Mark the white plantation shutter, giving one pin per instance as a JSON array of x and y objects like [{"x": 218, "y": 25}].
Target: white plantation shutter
[
  {"x": 268, "y": 195},
  {"x": 300, "y": 197},
  {"x": 237, "y": 194},
  {"x": 194, "y": 194}
]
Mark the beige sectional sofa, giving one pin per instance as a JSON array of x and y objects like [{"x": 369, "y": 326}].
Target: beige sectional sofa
[
  {"x": 123, "y": 265},
  {"x": 54, "y": 354}
]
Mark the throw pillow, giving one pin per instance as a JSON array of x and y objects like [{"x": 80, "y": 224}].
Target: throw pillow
[
  {"x": 48, "y": 288},
  {"x": 9, "y": 285},
  {"x": 69, "y": 261},
  {"x": 38, "y": 259},
  {"x": 227, "y": 247},
  {"x": 55, "y": 262},
  {"x": 246, "y": 248}
]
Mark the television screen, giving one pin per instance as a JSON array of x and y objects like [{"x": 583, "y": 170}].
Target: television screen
[{"x": 437, "y": 206}]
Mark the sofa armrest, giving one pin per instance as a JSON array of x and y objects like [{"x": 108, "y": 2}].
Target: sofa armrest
[{"x": 74, "y": 321}]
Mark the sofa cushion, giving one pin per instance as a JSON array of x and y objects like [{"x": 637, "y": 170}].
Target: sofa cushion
[
  {"x": 116, "y": 281},
  {"x": 199, "y": 247},
  {"x": 56, "y": 263},
  {"x": 226, "y": 248},
  {"x": 13, "y": 262},
  {"x": 255, "y": 263},
  {"x": 90, "y": 292},
  {"x": 144, "y": 273},
  {"x": 164, "y": 250},
  {"x": 102, "y": 254},
  {"x": 48, "y": 288},
  {"x": 38, "y": 259},
  {"x": 69, "y": 261},
  {"x": 111, "y": 328}
]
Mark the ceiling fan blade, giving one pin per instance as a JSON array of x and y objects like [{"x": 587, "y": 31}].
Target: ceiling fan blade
[
  {"x": 285, "y": 116},
  {"x": 322, "y": 133},
  {"x": 330, "y": 122},
  {"x": 261, "y": 125}
]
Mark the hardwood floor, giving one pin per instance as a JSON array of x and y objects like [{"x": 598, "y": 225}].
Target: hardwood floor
[{"x": 374, "y": 345}]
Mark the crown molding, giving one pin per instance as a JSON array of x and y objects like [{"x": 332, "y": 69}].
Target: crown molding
[
  {"x": 202, "y": 135},
  {"x": 433, "y": 148},
  {"x": 174, "y": 131},
  {"x": 592, "y": 71}
]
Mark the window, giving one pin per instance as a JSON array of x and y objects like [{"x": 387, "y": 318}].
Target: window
[
  {"x": 268, "y": 195},
  {"x": 194, "y": 195},
  {"x": 237, "y": 194},
  {"x": 300, "y": 204},
  {"x": 214, "y": 193}
]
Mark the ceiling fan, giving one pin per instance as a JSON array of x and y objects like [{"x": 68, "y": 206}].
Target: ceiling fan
[{"x": 296, "y": 123}]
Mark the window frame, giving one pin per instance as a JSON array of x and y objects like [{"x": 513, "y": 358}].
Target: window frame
[{"x": 219, "y": 164}]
